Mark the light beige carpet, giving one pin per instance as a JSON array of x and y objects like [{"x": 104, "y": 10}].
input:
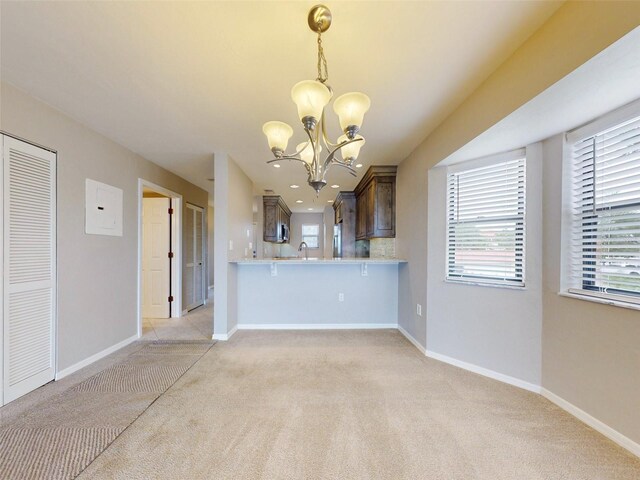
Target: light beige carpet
[
  {"x": 351, "y": 405},
  {"x": 58, "y": 437}
]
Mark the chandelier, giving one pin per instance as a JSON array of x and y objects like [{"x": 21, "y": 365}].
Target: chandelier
[{"x": 311, "y": 97}]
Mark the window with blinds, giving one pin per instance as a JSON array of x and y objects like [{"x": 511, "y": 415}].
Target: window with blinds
[
  {"x": 486, "y": 223},
  {"x": 605, "y": 230},
  {"x": 310, "y": 235}
]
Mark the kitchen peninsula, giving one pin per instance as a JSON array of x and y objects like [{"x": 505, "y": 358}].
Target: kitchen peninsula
[{"x": 313, "y": 294}]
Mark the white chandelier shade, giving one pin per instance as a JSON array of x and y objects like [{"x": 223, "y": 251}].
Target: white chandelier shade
[
  {"x": 351, "y": 151},
  {"x": 311, "y": 97},
  {"x": 278, "y": 134},
  {"x": 350, "y": 109},
  {"x": 306, "y": 151}
]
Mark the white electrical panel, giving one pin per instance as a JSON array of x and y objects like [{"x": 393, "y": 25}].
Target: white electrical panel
[{"x": 103, "y": 209}]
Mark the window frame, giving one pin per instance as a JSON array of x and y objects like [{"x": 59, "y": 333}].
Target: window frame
[
  {"x": 519, "y": 281},
  {"x": 569, "y": 284}
]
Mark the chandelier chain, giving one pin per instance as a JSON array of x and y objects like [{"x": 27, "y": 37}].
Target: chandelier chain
[{"x": 322, "y": 61}]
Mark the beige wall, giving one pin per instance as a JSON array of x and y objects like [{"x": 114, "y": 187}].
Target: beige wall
[
  {"x": 233, "y": 226},
  {"x": 299, "y": 219},
  {"x": 555, "y": 50},
  {"x": 590, "y": 351},
  {"x": 97, "y": 275},
  {"x": 499, "y": 329},
  {"x": 596, "y": 368}
]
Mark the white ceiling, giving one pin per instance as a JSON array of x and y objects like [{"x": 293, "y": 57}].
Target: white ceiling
[{"x": 178, "y": 81}]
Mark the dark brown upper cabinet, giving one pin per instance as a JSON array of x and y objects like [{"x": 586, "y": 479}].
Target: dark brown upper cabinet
[
  {"x": 277, "y": 219},
  {"x": 376, "y": 203}
]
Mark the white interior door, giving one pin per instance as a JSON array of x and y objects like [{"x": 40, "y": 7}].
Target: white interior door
[
  {"x": 194, "y": 257},
  {"x": 156, "y": 274},
  {"x": 29, "y": 267}
]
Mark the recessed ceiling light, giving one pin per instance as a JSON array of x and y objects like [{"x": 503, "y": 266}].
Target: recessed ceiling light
[
  {"x": 298, "y": 201},
  {"x": 335, "y": 186},
  {"x": 329, "y": 201},
  {"x": 359, "y": 165},
  {"x": 294, "y": 186},
  {"x": 276, "y": 165},
  {"x": 310, "y": 209}
]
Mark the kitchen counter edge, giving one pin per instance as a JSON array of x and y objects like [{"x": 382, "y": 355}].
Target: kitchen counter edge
[{"x": 320, "y": 261}]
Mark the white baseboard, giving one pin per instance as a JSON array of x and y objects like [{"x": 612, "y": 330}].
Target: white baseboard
[
  {"x": 603, "y": 428},
  {"x": 94, "y": 358},
  {"x": 516, "y": 382},
  {"x": 233, "y": 330},
  {"x": 415, "y": 343},
  {"x": 223, "y": 337},
  {"x": 315, "y": 326}
]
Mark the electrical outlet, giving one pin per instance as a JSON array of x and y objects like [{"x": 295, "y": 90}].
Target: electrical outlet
[
  {"x": 341, "y": 297},
  {"x": 250, "y": 244},
  {"x": 419, "y": 309},
  {"x": 248, "y": 233}
]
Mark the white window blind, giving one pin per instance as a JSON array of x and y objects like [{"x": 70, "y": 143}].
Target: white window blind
[
  {"x": 486, "y": 223},
  {"x": 605, "y": 233}
]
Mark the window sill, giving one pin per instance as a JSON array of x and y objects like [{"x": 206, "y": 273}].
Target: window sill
[
  {"x": 604, "y": 301},
  {"x": 483, "y": 284}
]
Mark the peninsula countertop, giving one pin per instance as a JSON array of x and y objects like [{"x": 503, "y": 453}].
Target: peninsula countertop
[{"x": 318, "y": 261}]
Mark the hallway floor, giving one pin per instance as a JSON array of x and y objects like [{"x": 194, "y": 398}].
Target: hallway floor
[{"x": 195, "y": 325}]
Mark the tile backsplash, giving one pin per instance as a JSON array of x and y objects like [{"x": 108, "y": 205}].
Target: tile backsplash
[{"x": 382, "y": 248}]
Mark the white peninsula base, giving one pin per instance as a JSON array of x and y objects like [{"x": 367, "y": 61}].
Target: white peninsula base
[{"x": 317, "y": 294}]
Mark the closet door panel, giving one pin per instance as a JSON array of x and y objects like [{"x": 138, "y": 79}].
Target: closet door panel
[
  {"x": 198, "y": 257},
  {"x": 29, "y": 271},
  {"x": 189, "y": 292},
  {"x": 194, "y": 257}
]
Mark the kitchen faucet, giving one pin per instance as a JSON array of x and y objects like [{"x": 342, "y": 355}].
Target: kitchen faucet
[{"x": 306, "y": 250}]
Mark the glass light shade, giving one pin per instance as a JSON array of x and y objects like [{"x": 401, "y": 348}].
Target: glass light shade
[
  {"x": 351, "y": 108},
  {"x": 352, "y": 150},
  {"x": 278, "y": 134},
  {"x": 307, "y": 153},
  {"x": 311, "y": 97}
]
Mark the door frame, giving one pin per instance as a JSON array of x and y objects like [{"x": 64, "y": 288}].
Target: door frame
[{"x": 176, "y": 245}]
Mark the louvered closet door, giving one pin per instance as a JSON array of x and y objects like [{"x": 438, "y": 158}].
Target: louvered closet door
[
  {"x": 188, "y": 264},
  {"x": 29, "y": 268},
  {"x": 198, "y": 257},
  {"x": 194, "y": 255}
]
